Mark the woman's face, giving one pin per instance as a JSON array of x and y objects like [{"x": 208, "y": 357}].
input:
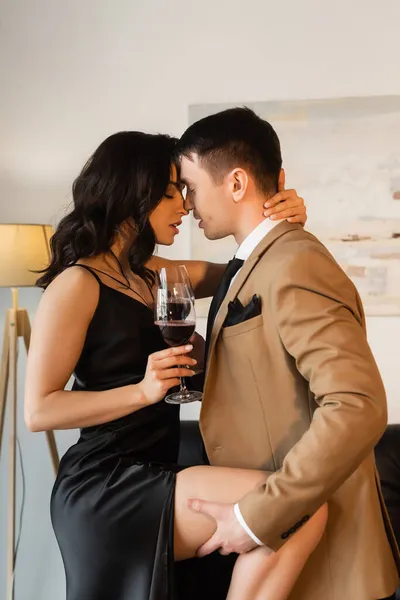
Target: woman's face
[{"x": 166, "y": 218}]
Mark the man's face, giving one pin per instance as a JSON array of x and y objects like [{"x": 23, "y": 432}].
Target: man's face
[{"x": 212, "y": 204}]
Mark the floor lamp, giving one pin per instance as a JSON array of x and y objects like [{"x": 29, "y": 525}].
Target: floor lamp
[{"x": 23, "y": 250}]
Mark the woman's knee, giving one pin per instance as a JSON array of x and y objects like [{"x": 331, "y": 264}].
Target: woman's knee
[
  {"x": 307, "y": 538},
  {"x": 321, "y": 517}
]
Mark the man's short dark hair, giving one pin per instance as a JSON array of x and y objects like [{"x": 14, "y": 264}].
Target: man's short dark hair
[{"x": 236, "y": 137}]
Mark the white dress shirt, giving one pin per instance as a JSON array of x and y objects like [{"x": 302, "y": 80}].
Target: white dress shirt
[
  {"x": 251, "y": 242},
  {"x": 245, "y": 249}
]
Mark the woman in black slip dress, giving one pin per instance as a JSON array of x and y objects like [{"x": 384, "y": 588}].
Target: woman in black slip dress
[{"x": 119, "y": 505}]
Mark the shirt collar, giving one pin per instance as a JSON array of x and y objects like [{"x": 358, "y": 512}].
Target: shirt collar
[{"x": 254, "y": 238}]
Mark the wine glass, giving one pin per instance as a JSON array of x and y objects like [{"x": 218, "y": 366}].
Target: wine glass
[{"x": 176, "y": 318}]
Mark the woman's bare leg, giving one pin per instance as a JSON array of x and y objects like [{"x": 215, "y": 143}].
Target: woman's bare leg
[
  {"x": 260, "y": 575},
  {"x": 268, "y": 576},
  {"x": 215, "y": 484}
]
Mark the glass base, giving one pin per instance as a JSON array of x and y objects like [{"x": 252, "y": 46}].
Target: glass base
[{"x": 184, "y": 397}]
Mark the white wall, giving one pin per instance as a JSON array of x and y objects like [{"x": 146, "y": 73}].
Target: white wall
[{"x": 74, "y": 72}]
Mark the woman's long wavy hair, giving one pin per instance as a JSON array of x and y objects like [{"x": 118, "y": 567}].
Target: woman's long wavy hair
[{"x": 123, "y": 181}]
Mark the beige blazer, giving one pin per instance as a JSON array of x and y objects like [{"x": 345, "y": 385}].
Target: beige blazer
[{"x": 296, "y": 391}]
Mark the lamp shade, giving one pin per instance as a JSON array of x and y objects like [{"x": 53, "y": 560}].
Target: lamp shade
[{"x": 24, "y": 249}]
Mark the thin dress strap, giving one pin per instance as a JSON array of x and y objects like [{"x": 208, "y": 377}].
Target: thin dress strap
[
  {"x": 90, "y": 271},
  {"x": 127, "y": 287}
]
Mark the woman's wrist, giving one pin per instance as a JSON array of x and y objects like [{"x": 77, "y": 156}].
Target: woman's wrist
[{"x": 136, "y": 397}]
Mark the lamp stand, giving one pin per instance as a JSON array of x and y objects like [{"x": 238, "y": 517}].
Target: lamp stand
[{"x": 16, "y": 325}]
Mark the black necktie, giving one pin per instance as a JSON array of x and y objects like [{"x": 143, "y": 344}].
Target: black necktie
[{"x": 233, "y": 267}]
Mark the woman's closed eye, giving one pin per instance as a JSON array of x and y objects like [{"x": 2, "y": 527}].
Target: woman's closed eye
[{"x": 173, "y": 187}]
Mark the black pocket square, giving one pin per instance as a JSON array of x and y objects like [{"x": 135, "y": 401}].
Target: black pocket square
[{"x": 237, "y": 313}]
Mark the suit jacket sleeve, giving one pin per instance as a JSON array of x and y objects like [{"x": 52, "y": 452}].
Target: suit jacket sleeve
[{"x": 320, "y": 322}]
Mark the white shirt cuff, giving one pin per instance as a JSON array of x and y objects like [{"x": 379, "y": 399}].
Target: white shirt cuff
[{"x": 243, "y": 523}]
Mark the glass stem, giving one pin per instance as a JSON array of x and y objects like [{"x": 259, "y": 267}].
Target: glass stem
[{"x": 183, "y": 386}]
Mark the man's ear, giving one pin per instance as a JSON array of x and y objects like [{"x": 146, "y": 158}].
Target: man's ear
[
  {"x": 238, "y": 181},
  {"x": 281, "y": 180}
]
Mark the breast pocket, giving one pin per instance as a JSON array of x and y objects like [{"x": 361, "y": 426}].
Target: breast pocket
[{"x": 242, "y": 328}]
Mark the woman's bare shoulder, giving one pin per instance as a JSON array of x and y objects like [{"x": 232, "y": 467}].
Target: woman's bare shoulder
[{"x": 74, "y": 285}]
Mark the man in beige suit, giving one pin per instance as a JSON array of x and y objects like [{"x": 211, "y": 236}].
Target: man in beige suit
[{"x": 291, "y": 384}]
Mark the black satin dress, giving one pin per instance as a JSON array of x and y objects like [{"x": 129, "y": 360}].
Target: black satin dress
[{"x": 112, "y": 505}]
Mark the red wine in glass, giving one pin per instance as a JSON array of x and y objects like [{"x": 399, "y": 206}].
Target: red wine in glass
[
  {"x": 175, "y": 316},
  {"x": 176, "y": 333}
]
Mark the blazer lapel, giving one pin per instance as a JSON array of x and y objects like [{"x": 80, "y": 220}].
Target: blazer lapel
[{"x": 242, "y": 277}]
